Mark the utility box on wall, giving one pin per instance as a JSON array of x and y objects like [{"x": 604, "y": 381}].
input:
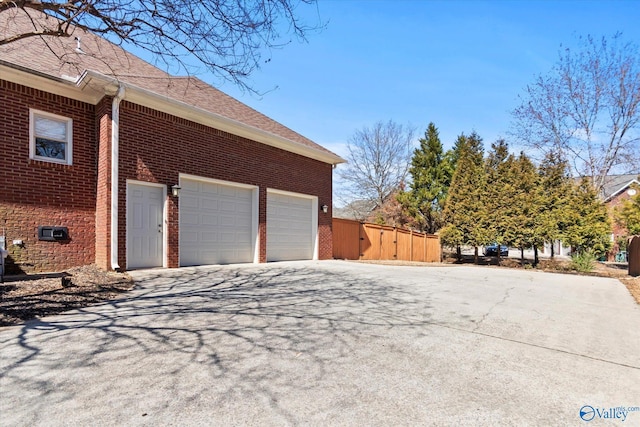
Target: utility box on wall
[{"x": 52, "y": 234}]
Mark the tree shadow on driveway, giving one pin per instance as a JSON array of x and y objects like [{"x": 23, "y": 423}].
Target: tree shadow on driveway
[{"x": 241, "y": 340}]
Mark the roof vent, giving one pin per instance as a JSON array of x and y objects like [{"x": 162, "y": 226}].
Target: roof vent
[{"x": 79, "y": 46}]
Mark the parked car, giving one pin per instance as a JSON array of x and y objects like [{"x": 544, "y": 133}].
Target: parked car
[{"x": 492, "y": 250}]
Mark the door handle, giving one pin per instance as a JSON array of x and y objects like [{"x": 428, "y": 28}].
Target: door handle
[{"x": 159, "y": 228}]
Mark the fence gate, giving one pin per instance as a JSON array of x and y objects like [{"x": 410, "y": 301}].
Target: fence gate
[{"x": 366, "y": 241}]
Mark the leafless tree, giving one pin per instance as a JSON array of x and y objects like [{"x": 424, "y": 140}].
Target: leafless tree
[
  {"x": 228, "y": 37},
  {"x": 378, "y": 161},
  {"x": 587, "y": 109}
]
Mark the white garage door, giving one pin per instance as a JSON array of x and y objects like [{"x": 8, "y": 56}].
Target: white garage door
[
  {"x": 215, "y": 223},
  {"x": 291, "y": 229}
]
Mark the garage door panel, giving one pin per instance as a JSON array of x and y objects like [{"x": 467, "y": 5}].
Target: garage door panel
[
  {"x": 301, "y": 209},
  {"x": 189, "y": 254},
  {"x": 210, "y": 205},
  {"x": 209, "y": 219},
  {"x": 188, "y": 219},
  {"x": 245, "y": 208},
  {"x": 217, "y": 225},
  {"x": 290, "y": 228},
  {"x": 188, "y": 200},
  {"x": 190, "y": 184},
  {"x": 227, "y": 221},
  {"x": 228, "y": 239},
  {"x": 190, "y": 236},
  {"x": 229, "y": 191},
  {"x": 207, "y": 237},
  {"x": 228, "y": 206}
]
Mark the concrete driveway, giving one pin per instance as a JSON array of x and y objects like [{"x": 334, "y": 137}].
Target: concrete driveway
[{"x": 332, "y": 343}]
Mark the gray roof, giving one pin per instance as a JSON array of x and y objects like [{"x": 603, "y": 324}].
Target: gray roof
[
  {"x": 614, "y": 184},
  {"x": 58, "y": 57},
  {"x": 357, "y": 210}
]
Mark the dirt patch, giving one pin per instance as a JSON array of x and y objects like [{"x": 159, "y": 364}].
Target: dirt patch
[
  {"x": 26, "y": 297},
  {"x": 633, "y": 284}
]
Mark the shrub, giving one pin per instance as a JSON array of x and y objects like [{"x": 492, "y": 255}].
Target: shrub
[{"x": 583, "y": 261}]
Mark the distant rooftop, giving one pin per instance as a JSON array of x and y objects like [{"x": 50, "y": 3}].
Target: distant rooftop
[{"x": 613, "y": 184}]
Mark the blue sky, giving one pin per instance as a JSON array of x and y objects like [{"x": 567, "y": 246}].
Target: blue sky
[{"x": 460, "y": 64}]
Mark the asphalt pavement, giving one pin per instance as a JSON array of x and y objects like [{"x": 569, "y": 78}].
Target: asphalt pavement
[{"x": 332, "y": 343}]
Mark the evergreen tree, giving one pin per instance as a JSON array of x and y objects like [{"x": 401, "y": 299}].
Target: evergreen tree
[
  {"x": 527, "y": 206},
  {"x": 499, "y": 194},
  {"x": 554, "y": 190},
  {"x": 453, "y": 155},
  {"x": 431, "y": 177},
  {"x": 464, "y": 207},
  {"x": 588, "y": 226}
]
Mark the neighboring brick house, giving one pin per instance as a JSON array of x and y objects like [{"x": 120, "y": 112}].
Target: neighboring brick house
[
  {"x": 93, "y": 140},
  {"x": 617, "y": 189}
]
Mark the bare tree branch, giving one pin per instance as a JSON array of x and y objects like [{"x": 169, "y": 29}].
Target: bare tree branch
[
  {"x": 587, "y": 109},
  {"x": 378, "y": 162},
  {"x": 227, "y": 37}
]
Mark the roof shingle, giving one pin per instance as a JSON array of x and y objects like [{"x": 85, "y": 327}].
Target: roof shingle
[{"x": 59, "y": 57}]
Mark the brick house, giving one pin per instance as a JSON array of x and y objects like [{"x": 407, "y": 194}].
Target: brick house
[
  {"x": 95, "y": 142},
  {"x": 617, "y": 189}
]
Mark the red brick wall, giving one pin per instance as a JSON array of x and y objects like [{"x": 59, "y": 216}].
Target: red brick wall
[
  {"x": 618, "y": 230},
  {"x": 103, "y": 184},
  {"x": 42, "y": 193},
  {"x": 612, "y": 204},
  {"x": 156, "y": 147}
]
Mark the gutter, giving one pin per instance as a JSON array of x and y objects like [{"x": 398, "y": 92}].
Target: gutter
[
  {"x": 91, "y": 86},
  {"x": 115, "y": 139},
  {"x": 32, "y": 72},
  {"x": 145, "y": 97}
]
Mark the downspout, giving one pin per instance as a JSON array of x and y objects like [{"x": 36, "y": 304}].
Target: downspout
[{"x": 115, "y": 138}]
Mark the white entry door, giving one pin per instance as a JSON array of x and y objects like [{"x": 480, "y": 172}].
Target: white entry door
[{"x": 144, "y": 225}]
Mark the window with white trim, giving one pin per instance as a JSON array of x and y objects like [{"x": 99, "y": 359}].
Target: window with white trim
[{"x": 50, "y": 137}]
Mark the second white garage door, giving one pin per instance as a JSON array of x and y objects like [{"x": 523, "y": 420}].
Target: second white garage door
[
  {"x": 291, "y": 226},
  {"x": 216, "y": 223}
]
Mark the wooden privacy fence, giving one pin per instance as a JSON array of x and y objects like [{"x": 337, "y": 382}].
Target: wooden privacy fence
[
  {"x": 356, "y": 240},
  {"x": 634, "y": 256}
]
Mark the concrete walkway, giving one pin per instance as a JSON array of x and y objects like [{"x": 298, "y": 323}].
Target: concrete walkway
[{"x": 331, "y": 343}]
